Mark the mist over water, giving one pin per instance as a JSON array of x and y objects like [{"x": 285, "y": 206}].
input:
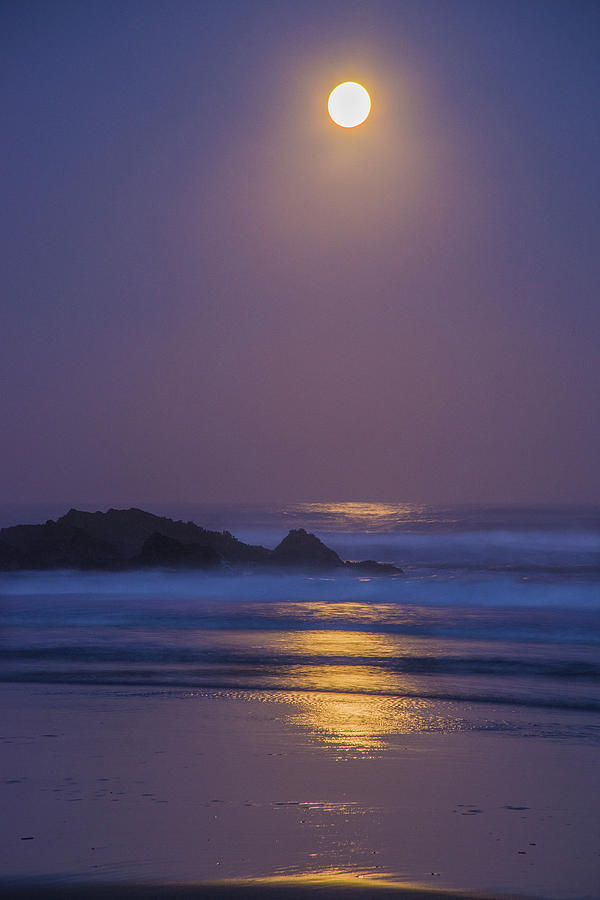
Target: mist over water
[{"x": 496, "y": 606}]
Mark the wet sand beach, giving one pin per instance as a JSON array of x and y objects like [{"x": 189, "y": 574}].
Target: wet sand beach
[
  {"x": 201, "y": 793},
  {"x": 276, "y": 889}
]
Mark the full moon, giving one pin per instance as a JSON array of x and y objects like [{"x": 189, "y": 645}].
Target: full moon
[{"x": 349, "y": 104}]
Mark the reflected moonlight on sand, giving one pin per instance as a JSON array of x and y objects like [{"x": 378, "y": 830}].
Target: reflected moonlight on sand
[{"x": 349, "y": 104}]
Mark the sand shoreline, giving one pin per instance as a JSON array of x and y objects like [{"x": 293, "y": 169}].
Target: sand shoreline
[
  {"x": 285, "y": 889},
  {"x": 171, "y": 794}
]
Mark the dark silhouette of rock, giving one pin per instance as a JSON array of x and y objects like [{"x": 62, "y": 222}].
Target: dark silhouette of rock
[
  {"x": 127, "y": 529},
  {"x": 55, "y": 545},
  {"x": 131, "y": 538},
  {"x": 160, "y": 550},
  {"x": 10, "y": 557},
  {"x": 301, "y": 549}
]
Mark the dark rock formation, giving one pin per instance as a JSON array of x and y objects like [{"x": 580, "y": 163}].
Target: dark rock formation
[
  {"x": 160, "y": 550},
  {"x": 10, "y": 556},
  {"x": 303, "y": 550},
  {"x": 131, "y": 538},
  {"x": 127, "y": 529},
  {"x": 54, "y": 545}
]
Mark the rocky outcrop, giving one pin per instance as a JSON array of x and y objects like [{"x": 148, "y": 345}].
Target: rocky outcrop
[
  {"x": 54, "y": 545},
  {"x": 132, "y": 538},
  {"x": 10, "y": 556},
  {"x": 127, "y": 530},
  {"x": 303, "y": 550},
  {"x": 160, "y": 550}
]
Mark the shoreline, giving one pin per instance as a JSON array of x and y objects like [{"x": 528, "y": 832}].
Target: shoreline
[
  {"x": 139, "y": 793},
  {"x": 326, "y": 888}
]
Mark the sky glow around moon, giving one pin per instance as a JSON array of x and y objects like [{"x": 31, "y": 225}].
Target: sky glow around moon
[{"x": 349, "y": 104}]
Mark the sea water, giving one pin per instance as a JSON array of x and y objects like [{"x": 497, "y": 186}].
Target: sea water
[{"x": 496, "y": 607}]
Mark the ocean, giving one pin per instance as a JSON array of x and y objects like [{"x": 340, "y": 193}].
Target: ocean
[{"x": 497, "y": 615}]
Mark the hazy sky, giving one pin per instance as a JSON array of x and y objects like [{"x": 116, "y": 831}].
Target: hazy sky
[{"x": 211, "y": 292}]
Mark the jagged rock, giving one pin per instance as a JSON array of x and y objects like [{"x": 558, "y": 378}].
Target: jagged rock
[
  {"x": 127, "y": 529},
  {"x": 303, "y": 550},
  {"x": 130, "y": 538}
]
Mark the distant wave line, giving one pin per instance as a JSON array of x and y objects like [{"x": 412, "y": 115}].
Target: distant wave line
[{"x": 409, "y": 665}]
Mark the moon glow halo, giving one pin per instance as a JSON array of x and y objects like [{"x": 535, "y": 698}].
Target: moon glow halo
[{"x": 349, "y": 104}]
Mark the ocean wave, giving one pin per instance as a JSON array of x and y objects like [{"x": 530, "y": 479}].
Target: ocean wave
[
  {"x": 176, "y": 589},
  {"x": 570, "y": 669},
  {"x": 244, "y": 682}
]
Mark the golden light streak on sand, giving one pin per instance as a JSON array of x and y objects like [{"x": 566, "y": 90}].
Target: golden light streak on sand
[
  {"x": 354, "y": 707},
  {"x": 358, "y": 723},
  {"x": 323, "y": 884}
]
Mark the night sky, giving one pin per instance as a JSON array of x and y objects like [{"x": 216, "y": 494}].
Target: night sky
[{"x": 210, "y": 292}]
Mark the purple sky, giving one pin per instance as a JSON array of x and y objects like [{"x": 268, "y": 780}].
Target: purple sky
[{"x": 210, "y": 292}]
